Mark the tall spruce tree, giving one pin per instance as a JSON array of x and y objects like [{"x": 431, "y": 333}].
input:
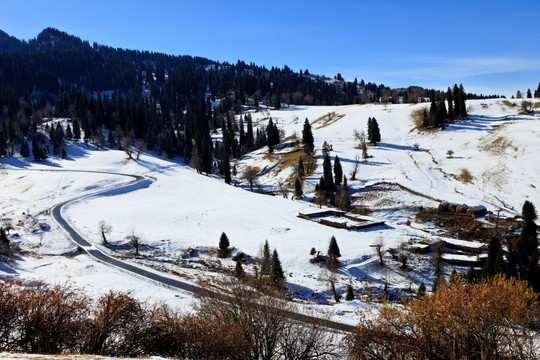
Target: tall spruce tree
[
  {"x": 338, "y": 171},
  {"x": 301, "y": 172},
  {"x": 307, "y": 138},
  {"x": 298, "y": 187},
  {"x": 266, "y": 259},
  {"x": 376, "y": 131},
  {"x": 494, "y": 264},
  {"x": 333, "y": 249},
  {"x": 224, "y": 244},
  {"x": 4, "y": 242},
  {"x": 528, "y": 234},
  {"x": 25, "y": 149},
  {"x": 538, "y": 91},
  {"x": 327, "y": 174},
  {"x": 450, "y": 98},
  {"x": 276, "y": 269}
]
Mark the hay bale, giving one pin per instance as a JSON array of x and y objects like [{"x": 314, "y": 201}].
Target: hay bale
[
  {"x": 462, "y": 208},
  {"x": 470, "y": 211},
  {"x": 452, "y": 208},
  {"x": 443, "y": 207}
]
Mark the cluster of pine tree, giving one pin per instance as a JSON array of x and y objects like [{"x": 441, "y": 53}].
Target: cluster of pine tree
[
  {"x": 373, "y": 131},
  {"x": 333, "y": 185},
  {"x": 520, "y": 261},
  {"x": 439, "y": 114}
]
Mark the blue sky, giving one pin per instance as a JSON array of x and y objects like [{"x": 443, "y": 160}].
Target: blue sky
[{"x": 489, "y": 46}]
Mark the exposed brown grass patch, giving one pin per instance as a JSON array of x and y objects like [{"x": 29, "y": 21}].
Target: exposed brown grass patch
[
  {"x": 536, "y": 105},
  {"x": 497, "y": 146},
  {"x": 508, "y": 103},
  {"x": 327, "y": 120},
  {"x": 465, "y": 176}
]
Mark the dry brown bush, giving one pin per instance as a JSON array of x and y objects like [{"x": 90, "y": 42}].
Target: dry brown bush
[{"x": 482, "y": 321}]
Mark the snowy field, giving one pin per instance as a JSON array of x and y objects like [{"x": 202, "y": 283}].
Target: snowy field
[{"x": 182, "y": 214}]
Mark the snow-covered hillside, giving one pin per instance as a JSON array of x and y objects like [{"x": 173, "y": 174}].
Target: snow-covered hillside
[{"x": 182, "y": 214}]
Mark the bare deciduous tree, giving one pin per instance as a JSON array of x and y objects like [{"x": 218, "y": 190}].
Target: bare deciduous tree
[
  {"x": 127, "y": 144},
  {"x": 379, "y": 248},
  {"x": 104, "y": 228},
  {"x": 355, "y": 169},
  {"x": 140, "y": 148},
  {"x": 250, "y": 175},
  {"x": 135, "y": 240}
]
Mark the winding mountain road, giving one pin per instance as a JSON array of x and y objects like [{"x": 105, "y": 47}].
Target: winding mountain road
[{"x": 139, "y": 182}]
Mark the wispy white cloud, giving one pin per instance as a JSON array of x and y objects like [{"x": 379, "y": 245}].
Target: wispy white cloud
[{"x": 487, "y": 73}]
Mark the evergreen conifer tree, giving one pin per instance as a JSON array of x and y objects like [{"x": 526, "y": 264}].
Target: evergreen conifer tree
[
  {"x": 538, "y": 91},
  {"x": 307, "y": 138},
  {"x": 238, "y": 269},
  {"x": 376, "y": 131},
  {"x": 301, "y": 171},
  {"x": 494, "y": 264},
  {"x": 276, "y": 269},
  {"x": 349, "y": 296},
  {"x": 64, "y": 153},
  {"x": 4, "y": 242},
  {"x": 25, "y": 149},
  {"x": 223, "y": 245},
  {"x": 69, "y": 133},
  {"x": 298, "y": 188},
  {"x": 338, "y": 171},
  {"x": 421, "y": 290},
  {"x": 327, "y": 174},
  {"x": 528, "y": 233},
  {"x": 529, "y": 95},
  {"x": 449, "y": 98},
  {"x": 462, "y": 105},
  {"x": 76, "y": 130},
  {"x": 266, "y": 257},
  {"x": 333, "y": 249}
]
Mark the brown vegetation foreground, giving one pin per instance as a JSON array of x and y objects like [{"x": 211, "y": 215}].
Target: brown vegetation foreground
[
  {"x": 60, "y": 320},
  {"x": 486, "y": 321}
]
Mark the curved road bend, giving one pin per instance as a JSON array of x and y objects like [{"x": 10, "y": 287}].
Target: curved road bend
[{"x": 141, "y": 272}]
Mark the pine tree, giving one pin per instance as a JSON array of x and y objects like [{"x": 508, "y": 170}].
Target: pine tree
[
  {"x": 226, "y": 165},
  {"x": 528, "y": 233},
  {"x": 238, "y": 270},
  {"x": 421, "y": 290},
  {"x": 338, "y": 171},
  {"x": 327, "y": 174},
  {"x": 301, "y": 171},
  {"x": 76, "y": 130},
  {"x": 349, "y": 296},
  {"x": 223, "y": 245},
  {"x": 25, "y": 149},
  {"x": 449, "y": 98},
  {"x": 376, "y": 131},
  {"x": 494, "y": 264},
  {"x": 4, "y": 242},
  {"x": 64, "y": 153},
  {"x": 529, "y": 95},
  {"x": 538, "y": 91},
  {"x": 307, "y": 138},
  {"x": 333, "y": 249},
  {"x": 370, "y": 130},
  {"x": 266, "y": 257},
  {"x": 462, "y": 105},
  {"x": 298, "y": 188},
  {"x": 425, "y": 119},
  {"x": 276, "y": 269}
]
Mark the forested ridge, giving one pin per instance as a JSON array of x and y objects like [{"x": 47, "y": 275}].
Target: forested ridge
[{"x": 119, "y": 97}]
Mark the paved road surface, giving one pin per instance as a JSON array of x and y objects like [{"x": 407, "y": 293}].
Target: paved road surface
[{"x": 140, "y": 271}]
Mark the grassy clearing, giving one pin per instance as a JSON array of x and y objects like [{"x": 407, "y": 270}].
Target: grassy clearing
[
  {"x": 497, "y": 146},
  {"x": 417, "y": 117},
  {"x": 327, "y": 120},
  {"x": 288, "y": 160},
  {"x": 465, "y": 176},
  {"x": 508, "y": 103},
  {"x": 536, "y": 105}
]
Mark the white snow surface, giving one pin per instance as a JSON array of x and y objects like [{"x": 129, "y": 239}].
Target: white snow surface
[{"x": 181, "y": 209}]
